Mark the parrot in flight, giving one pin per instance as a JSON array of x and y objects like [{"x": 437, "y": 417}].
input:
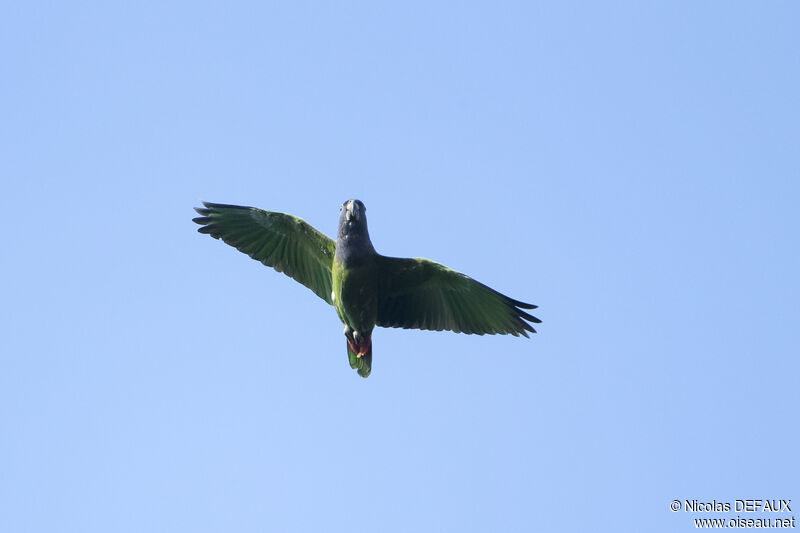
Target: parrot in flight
[{"x": 366, "y": 289}]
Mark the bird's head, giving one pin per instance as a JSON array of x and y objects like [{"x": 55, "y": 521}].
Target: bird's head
[
  {"x": 353, "y": 222},
  {"x": 352, "y": 215},
  {"x": 353, "y": 210}
]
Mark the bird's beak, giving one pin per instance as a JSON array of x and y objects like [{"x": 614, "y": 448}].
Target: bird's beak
[{"x": 351, "y": 211}]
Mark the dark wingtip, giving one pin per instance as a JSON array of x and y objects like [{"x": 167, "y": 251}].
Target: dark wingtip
[
  {"x": 523, "y": 305},
  {"x": 212, "y": 206},
  {"x": 524, "y": 319},
  {"x": 527, "y": 327},
  {"x": 528, "y": 317}
]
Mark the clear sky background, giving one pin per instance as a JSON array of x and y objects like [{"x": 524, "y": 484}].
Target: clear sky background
[{"x": 632, "y": 168}]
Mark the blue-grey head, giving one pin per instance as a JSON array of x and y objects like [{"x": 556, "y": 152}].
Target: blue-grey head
[
  {"x": 353, "y": 237},
  {"x": 352, "y": 218}
]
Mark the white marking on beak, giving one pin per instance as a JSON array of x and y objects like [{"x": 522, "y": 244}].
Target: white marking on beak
[{"x": 351, "y": 212}]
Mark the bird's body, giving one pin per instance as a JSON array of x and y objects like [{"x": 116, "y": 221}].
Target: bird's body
[
  {"x": 356, "y": 303},
  {"x": 355, "y": 297},
  {"x": 366, "y": 288}
]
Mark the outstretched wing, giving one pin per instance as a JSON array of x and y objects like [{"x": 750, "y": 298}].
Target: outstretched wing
[
  {"x": 284, "y": 242},
  {"x": 418, "y": 293}
]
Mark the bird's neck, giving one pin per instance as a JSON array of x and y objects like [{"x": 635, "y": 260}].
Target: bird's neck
[{"x": 354, "y": 247}]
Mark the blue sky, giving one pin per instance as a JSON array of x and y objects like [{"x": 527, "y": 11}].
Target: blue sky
[{"x": 632, "y": 168}]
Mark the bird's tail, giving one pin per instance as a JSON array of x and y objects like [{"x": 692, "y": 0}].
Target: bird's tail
[{"x": 364, "y": 363}]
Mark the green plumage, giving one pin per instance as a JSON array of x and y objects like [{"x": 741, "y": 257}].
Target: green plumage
[
  {"x": 366, "y": 288},
  {"x": 284, "y": 242},
  {"x": 355, "y": 300}
]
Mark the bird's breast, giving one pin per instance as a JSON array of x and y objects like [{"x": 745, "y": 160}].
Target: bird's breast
[{"x": 355, "y": 295}]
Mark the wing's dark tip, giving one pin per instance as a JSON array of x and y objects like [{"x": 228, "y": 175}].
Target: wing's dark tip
[
  {"x": 522, "y": 317},
  {"x": 213, "y": 206},
  {"x": 528, "y": 317},
  {"x": 522, "y": 304},
  {"x": 207, "y": 219},
  {"x": 525, "y": 326}
]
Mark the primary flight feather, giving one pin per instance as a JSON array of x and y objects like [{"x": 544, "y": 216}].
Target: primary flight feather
[{"x": 366, "y": 288}]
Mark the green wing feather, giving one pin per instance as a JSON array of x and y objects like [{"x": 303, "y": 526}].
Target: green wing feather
[
  {"x": 422, "y": 294},
  {"x": 284, "y": 242}
]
